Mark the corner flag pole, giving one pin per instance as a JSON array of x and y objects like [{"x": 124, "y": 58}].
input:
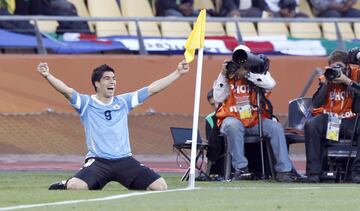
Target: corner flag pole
[
  {"x": 196, "y": 118},
  {"x": 196, "y": 41}
]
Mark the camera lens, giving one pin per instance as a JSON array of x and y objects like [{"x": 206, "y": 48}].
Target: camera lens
[
  {"x": 332, "y": 73},
  {"x": 354, "y": 55},
  {"x": 240, "y": 56}
]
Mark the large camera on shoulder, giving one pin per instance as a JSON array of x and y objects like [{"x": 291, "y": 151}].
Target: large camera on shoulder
[
  {"x": 354, "y": 56},
  {"x": 332, "y": 73},
  {"x": 254, "y": 63}
]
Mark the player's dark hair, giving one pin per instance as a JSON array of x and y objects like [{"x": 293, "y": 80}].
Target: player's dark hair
[{"x": 99, "y": 72}]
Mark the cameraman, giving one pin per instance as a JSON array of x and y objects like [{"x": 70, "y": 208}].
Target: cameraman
[
  {"x": 333, "y": 104},
  {"x": 237, "y": 115}
]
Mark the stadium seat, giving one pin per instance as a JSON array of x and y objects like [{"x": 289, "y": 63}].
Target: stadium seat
[
  {"x": 214, "y": 29},
  {"x": 131, "y": 8},
  {"x": 153, "y": 6},
  {"x": 48, "y": 26},
  {"x": 345, "y": 30},
  {"x": 334, "y": 157},
  {"x": 253, "y": 154},
  {"x": 203, "y": 4},
  {"x": 82, "y": 11},
  {"x": 357, "y": 30},
  {"x": 175, "y": 29},
  {"x": 305, "y": 8},
  {"x": 247, "y": 29},
  {"x": 357, "y": 5},
  {"x": 107, "y": 8},
  {"x": 182, "y": 145},
  {"x": 267, "y": 28},
  {"x": 294, "y": 133},
  {"x": 217, "y": 4},
  {"x": 305, "y": 30}
]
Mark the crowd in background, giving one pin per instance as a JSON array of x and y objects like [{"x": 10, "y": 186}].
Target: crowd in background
[
  {"x": 40, "y": 7},
  {"x": 260, "y": 8},
  {"x": 178, "y": 8}
]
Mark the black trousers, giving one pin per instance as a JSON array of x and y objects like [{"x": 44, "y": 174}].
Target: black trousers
[{"x": 315, "y": 133}]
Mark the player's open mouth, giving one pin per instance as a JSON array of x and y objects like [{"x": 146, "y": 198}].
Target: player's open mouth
[{"x": 111, "y": 88}]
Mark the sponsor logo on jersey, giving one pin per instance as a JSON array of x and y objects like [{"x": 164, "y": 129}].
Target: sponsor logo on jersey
[
  {"x": 347, "y": 114},
  {"x": 338, "y": 96},
  {"x": 235, "y": 109},
  {"x": 240, "y": 89}
]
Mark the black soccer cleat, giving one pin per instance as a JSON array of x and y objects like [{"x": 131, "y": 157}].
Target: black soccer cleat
[{"x": 61, "y": 185}]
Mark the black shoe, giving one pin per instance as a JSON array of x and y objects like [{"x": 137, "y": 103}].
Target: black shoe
[
  {"x": 313, "y": 178},
  {"x": 285, "y": 177},
  {"x": 58, "y": 185},
  {"x": 298, "y": 177},
  {"x": 203, "y": 177},
  {"x": 242, "y": 174},
  {"x": 355, "y": 178}
]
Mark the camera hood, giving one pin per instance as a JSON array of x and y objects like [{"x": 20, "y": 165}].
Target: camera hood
[{"x": 245, "y": 58}]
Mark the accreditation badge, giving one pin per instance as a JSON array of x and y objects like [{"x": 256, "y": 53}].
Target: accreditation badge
[
  {"x": 243, "y": 106},
  {"x": 333, "y": 128}
]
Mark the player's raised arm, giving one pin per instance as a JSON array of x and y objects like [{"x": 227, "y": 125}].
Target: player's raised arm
[
  {"x": 157, "y": 86},
  {"x": 60, "y": 86}
]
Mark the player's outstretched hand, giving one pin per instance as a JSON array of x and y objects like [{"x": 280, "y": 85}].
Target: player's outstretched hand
[
  {"x": 183, "y": 67},
  {"x": 43, "y": 69}
]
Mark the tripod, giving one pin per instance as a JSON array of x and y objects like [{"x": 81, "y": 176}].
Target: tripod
[{"x": 259, "y": 93}]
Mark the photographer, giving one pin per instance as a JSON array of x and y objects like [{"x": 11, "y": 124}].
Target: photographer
[
  {"x": 333, "y": 109},
  {"x": 238, "y": 116}
]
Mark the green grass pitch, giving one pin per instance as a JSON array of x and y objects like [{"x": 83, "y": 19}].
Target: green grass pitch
[{"x": 29, "y": 188}]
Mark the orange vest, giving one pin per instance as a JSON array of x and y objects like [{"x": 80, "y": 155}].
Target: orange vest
[
  {"x": 339, "y": 99},
  {"x": 239, "y": 91}
]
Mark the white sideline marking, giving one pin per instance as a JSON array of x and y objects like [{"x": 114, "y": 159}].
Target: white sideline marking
[
  {"x": 304, "y": 188},
  {"x": 91, "y": 200},
  {"x": 175, "y": 190},
  {"x": 280, "y": 188}
]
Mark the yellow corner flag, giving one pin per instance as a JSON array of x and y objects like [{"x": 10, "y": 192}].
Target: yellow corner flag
[{"x": 196, "y": 38}]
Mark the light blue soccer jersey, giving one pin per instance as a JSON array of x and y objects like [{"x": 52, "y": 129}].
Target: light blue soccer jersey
[{"x": 106, "y": 125}]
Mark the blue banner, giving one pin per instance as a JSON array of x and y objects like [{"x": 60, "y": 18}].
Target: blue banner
[{"x": 15, "y": 40}]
